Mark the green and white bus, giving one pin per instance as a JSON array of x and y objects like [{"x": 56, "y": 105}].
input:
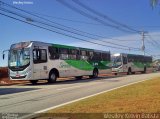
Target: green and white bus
[
  {"x": 36, "y": 60},
  {"x": 130, "y": 63}
]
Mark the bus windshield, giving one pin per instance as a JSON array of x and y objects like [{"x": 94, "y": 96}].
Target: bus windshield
[
  {"x": 19, "y": 57},
  {"x": 117, "y": 61}
]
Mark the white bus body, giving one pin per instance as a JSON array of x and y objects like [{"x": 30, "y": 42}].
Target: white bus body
[
  {"x": 130, "y": 63},
  {"x": 36, "y": 60}
]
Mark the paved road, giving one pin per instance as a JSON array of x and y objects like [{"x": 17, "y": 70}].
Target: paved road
[{"x": 32, "y": 98}]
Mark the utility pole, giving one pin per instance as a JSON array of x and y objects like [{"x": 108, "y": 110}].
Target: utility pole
[{"x": 143, "y": 45}]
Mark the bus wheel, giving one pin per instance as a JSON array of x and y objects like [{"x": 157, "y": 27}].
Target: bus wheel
[
  {"x": 78, "y": 77},
  {"x": 115, "y": 74},
  {"x": 129, "y": 71},
  {"x": 52, "y": 77},
  {"x": 34, "y": 81},
  {"x": 144, "y": 70},
  {"x": 95, "y": 74},
  {"x": 133, "y": 72}
]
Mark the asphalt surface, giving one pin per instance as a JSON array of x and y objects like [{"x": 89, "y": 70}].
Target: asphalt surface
[{"x": 29, "y": 98}]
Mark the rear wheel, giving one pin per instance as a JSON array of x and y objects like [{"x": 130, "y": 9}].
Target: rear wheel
[
  {"x": 52, "y": 77},
  {"x": 133, "y": 72},
  {"x": 95, "y": 74},
  {"x": 115, "y": 74},
  {"x": 78, "y": 77},
  {"x": 129, "y": 71},
  {"x": 34, "y": 81},
  {"x": 144, "y": 71}
]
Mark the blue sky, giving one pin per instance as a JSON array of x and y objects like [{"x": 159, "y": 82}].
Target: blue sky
[{"x": 137, "y": 14}]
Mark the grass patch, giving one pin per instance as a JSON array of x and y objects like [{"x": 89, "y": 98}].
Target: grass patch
[
  {"x": 143, "y": 97},
  {"x": 138, "y": 98}
]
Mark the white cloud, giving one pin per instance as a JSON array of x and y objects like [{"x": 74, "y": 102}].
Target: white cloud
[{"x": 134, "y": 40}]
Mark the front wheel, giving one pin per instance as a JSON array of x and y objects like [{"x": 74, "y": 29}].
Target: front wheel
[
  {"x": 115, "y": 74},
  {"x": 95, "y": 74},
  {"x": 78, "y": 77},
  {"x": 52, "y": 77},
  {"x": 129, "y": 71},
  {"x": 144, "y": 71},
  {"x": 34, "y": 81}
]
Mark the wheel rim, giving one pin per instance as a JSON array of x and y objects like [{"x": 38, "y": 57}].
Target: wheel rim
[
  {"x": 53, "y": 76},
  {"x": 33, "y": 81},
  {"x": 95, "y": 73}
]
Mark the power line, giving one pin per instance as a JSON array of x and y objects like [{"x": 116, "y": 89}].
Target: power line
[
  {"x": 148, "y": 26},
  {"x": 92, "y": 17},
  {"x": 60, "y": 18},
  {"x": 52, "y": 21},
  {"x": 156, "y": 35},
  {"x": 64, "y": 19},
  {"x": 63, "y": 26},
  {"x": 32, "y": 20},
  {"x": 104, "y": 16},
  {"x": 60, "y": 32},
  {"x": 157, "y": 43},
  {"x": 84, "y": 22},
  {"x": 150, "y": 42},
  {"x": 154, "y": 43}
]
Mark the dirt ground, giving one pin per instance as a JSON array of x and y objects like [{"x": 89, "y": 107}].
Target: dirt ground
[
  {"x": 4, "y": 76},
  {"x": 4, "y": 80},
  {"x": 3, "y": 72}
]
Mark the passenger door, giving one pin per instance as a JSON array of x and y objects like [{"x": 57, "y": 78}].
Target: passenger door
[
  {"x": 125, "y": 62},
  {"x": 40, "y": 64}
]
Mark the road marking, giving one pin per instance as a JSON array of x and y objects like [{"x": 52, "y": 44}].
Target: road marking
[{"x": 50, "y": 108}]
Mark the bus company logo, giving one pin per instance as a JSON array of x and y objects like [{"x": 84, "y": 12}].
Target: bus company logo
[{"x": 64, "y": 65}]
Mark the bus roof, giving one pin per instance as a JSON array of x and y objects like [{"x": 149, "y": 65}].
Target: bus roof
[
  {"x": 117, "y": 54},
  {"x": 67, "y": 46}
]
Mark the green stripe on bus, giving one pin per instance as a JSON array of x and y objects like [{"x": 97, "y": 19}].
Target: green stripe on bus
[
  {"x": 88, "y": 65},
  {"x": 70, "y": 47},
  {"x": 80, "y": 64},
  {"x": 63, "y": 46},
  {"x": 141, "y": 65},
  {"x": 106, "y": 64}
]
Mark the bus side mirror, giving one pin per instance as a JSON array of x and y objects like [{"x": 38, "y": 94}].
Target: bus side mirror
[{"x": 3, "y": 56}]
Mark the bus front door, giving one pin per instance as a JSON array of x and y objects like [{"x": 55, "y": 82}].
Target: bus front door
[{"x": 125, "y": 62}]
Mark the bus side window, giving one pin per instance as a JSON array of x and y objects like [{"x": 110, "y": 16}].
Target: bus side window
[
  {"x": 39, "y": 55},
  {"x": 97, "y": 56},
  {"x": 106, "y": 56},
  {"x": 34, "y": 55},
  {"x": 78, "y": 55},
  {"x": 90, "y": 53},
  {"x": 84, "y": 55},
  {"x": 64, "y": 53},
  {"x": 129, "y": 59},
  {"x": 53, "y": 52},
  {"x": 124, "y": 60},
  {"x": 73, "y": 54}
]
